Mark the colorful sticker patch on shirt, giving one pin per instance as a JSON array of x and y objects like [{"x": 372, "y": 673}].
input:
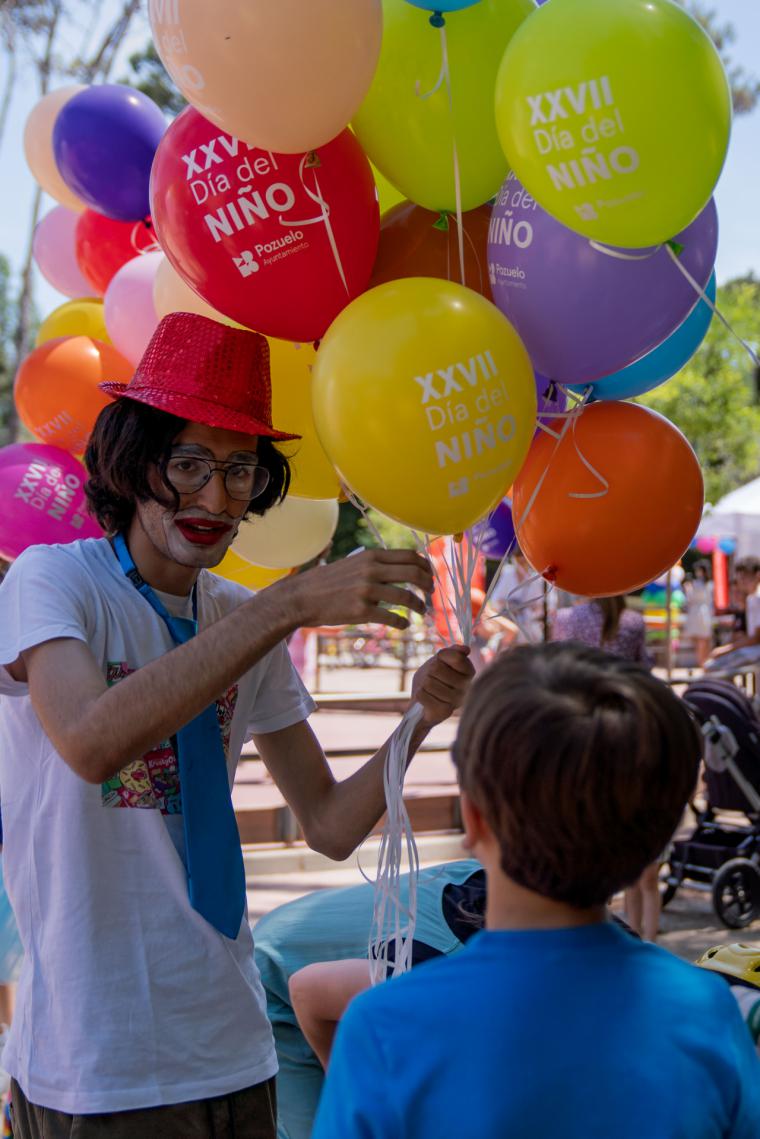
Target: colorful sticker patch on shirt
[{"x": 152, "y": 782}]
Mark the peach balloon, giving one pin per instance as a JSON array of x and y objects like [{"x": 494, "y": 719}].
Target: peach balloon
[
  {"x": 38, "y": 146},
  {"x": 56, "y": 389},
  {"x": 172, "y": 294},
  {"x": 611, "y": 507},
  {"x": 284, "y": 76}
]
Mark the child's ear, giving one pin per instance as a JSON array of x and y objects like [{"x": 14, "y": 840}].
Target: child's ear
[{"x": 475, "y": 826}]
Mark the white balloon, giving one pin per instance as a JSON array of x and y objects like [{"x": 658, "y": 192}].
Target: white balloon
[{"x": 290, "y": 534}]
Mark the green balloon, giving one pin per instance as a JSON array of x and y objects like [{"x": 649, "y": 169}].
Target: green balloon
[
  {"x": 616, "y": 116},
  {"x": 408, "y": 133}
]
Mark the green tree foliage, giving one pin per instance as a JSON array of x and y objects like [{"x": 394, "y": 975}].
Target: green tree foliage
[
  {"x": 714, "y": 399},
  {"x": 148, "y": 74},
  {"x": 745, "y": 89}
]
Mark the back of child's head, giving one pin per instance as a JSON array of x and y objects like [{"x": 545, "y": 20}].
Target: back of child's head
[{"x": 581, "y": 764}]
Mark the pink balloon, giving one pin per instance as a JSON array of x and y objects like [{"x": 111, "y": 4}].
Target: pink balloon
[
  {"x": 42, "y": 492},
  {"x": 54, "y": 249},
  {"x": 130, "y": 313}
]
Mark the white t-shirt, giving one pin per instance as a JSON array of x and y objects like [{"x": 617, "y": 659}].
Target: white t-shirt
[{"x": 127, "y": 997}]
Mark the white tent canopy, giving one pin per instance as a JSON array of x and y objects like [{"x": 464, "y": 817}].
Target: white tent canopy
[{"x": 736, "y": 515}]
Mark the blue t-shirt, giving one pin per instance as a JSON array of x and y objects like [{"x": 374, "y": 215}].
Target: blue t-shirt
[{"x": 582, "y": 1033}]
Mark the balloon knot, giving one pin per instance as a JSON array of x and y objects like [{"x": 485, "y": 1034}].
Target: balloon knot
[
  {"x": 437, "y": 20},
  {"x": 550, "y": 574},
  {"x": 312, "y": 160},
  {"x": 458, "y": 537},
  {"x": 676, "y": 247}
]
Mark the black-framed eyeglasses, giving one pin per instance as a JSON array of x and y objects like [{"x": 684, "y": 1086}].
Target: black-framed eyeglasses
[{"x": 242, "y": 481}]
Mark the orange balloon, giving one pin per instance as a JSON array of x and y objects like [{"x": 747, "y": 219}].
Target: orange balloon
[
  {"x": 415, "y": 242},
  {"x": 56, "y": 389},
  {"x": 619, "y": 526}
]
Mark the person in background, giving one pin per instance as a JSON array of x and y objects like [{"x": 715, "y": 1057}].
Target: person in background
[
  {"x": 608, "y": 624},
  {"x": 698, "y": 626},
  {"x": 745, "y": 590},
  {"x": 552, "y": 1023}
]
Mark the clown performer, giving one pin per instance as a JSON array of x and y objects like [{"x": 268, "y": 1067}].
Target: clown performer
[{"x": 132, "y": 676}]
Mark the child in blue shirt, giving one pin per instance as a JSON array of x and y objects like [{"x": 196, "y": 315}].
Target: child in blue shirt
[{"x": 553, "y": 1023}]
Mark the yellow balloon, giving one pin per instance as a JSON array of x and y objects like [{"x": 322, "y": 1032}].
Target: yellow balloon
[
  {"x": 405, "y": 123},
  {"x": 312, "y": 473},
  {"x": 234, "y": 568},
  {"x": 603, "y": 106},
  {"x": 425, "y": 400},
  {"x": 83, "y": 317},
  {"x": 289, "y": 534},
  {"x": 38, "y": 146}
]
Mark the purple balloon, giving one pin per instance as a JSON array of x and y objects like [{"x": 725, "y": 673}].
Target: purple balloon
[
  {"x": 581, "y": 312},
  {"x": 495, "y": 535},
  {"x": 104, "y": 140}
]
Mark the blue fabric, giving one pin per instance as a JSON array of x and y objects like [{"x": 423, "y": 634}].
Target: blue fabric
[
  {"x": 213, "y": 856},
  {"x": 332, "y": 925},
  {"x": 581, "y": 1033},
  {"x": 11, "y": 949}
]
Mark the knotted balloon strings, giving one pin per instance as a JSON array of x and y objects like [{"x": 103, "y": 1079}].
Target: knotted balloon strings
[
  {"x": 444, "y": 79},
  {"x": 393, "y": 920},
  {"x": 712, "y": 306},
  {"x": 311, "y": 162}
]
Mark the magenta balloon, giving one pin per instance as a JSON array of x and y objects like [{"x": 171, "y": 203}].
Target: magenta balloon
[
  {"x": 583, "y": 312},
  {"x": 54, "y": 249},
  {"x": 41, "y": 489},
  {"x": 129, "y": 310}
]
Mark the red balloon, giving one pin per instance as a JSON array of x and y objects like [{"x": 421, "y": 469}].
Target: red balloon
[
  {"x": 613, "y": 505},
  {"x": 104, "y": 245},
  {"x": 278, "y": 242}
]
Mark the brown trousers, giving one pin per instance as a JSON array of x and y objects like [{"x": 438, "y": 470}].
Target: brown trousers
[{"x": 247, "y": 1114}]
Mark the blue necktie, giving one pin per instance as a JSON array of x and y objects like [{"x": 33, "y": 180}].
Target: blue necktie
[{"x": 215, "y": 870}]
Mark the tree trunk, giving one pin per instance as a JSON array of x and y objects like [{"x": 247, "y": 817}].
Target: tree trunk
[{"x": 7, "y": 96}]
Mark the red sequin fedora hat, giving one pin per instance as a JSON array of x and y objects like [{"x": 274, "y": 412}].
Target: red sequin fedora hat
[{"x": 205, "y": 372}]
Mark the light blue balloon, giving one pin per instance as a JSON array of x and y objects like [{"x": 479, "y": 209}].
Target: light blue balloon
[
  {"x": 443, "y": 5},
  {"x": 662, "y": 362}
]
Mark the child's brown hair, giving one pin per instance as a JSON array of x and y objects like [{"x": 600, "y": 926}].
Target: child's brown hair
[{"x": 580, "y": 762}]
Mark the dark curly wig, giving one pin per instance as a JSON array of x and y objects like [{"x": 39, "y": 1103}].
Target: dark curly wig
[{"x": 130, "y": 438}]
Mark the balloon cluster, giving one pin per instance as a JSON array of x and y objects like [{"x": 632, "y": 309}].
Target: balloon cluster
[{"x": 455, "y": 222}]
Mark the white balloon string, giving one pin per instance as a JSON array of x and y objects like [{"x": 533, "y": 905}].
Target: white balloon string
[
  {"x": 393, "y": 923},
  {"x": 712, "y": 306},
  {"x": 621, "y": 255},
  {"x": 357, "y": 503},
  {"x": 455, "y": 154},
  {"x": 310, "y": 162},
  {"x": 444, "y": 77}
]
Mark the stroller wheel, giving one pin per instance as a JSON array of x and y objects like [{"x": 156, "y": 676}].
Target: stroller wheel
[{"x": 736, "y": 893}]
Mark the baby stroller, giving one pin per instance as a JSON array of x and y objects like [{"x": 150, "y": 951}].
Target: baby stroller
[{"x": 722, "y": 855}]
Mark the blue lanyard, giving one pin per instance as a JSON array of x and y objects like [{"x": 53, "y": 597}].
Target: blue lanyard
[{"x": 178, "y": 626}]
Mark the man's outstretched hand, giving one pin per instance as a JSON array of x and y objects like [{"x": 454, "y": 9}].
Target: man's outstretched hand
[
  {"x": 361, "y": 589},
  {"x": 441, "y": 684}
]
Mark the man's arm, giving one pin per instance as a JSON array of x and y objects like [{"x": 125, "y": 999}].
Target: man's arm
[
  {"x": 97, "y": 729},
  {"x": 336, "y": 816}
]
